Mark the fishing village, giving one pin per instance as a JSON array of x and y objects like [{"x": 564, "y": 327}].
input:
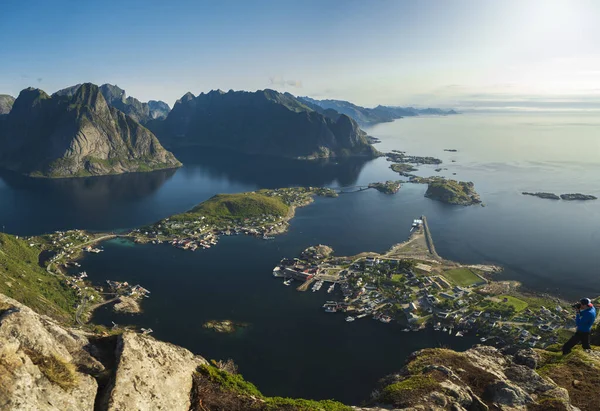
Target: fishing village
[{"x": 411, "y": 285}]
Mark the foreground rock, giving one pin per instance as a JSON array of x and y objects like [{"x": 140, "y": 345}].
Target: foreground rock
[
  {"x": 482, "y": 378},
  {"x": 152, "y": 375},
  {"x": 40, "y": 363}
]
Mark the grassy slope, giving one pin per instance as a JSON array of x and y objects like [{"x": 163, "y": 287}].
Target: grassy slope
[
  {"x": 24, "y": 280},
  {"x": 236, "y": 206},
  {"x": 219, "y": 389}
]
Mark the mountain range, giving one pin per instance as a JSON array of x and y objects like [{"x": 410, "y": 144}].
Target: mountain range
[
  {"x": 117, "y": 98},
  {"x": 76, "y": 133},
  {"x": 369, "y": 116},
  {"x": 263, "y": 122},
  {"x": 89, "y": 130}
]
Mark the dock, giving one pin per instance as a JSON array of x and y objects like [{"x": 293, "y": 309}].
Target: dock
[
  {"x": 429, "y": 239},
  {"x": 304, "y": 286}
]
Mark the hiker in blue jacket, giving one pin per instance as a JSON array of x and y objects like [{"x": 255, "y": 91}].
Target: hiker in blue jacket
[{"x": 586, "y": 315}]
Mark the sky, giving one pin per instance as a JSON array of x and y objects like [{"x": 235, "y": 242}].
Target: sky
[{"x": 485, "y": 54}]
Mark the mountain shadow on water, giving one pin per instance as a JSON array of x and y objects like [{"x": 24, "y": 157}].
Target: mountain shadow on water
[{"x": 269, "y": 171}]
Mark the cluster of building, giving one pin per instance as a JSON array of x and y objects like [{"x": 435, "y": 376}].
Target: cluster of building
[{"x": 124, "y": 288}]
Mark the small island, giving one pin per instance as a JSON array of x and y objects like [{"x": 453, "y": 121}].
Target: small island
[
  {"x": 577, "y": 196},
  {"x": 451, "y": 150},
  {"x": 389, "y": 187},
  {"x": 223, "y": 326},
  {"x": 452, "y": 192},
  {"x": 403, "y": 169},
  {"x": 397, "y": 156},
  {"x": 566, "y": 197},
  {"x": 548, "y": 196}
]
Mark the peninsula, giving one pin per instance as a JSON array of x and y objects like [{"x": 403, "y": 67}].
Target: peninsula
[
  {"x": 412, "y": 285},
  {"x": 262, "y": 213}
]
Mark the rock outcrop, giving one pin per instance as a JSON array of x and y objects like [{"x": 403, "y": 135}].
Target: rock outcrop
[
  {"x": 76, "y": 134},
  {"x": 264, "y": 122},
  {"x": 152, "y": 375},
  {"x": 481, "y": 378},
  {"x": 48, "y": 366}
]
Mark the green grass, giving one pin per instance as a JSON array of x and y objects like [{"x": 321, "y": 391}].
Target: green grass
[
  {"x": 235, "y": 207},
  {"x": 56, "y": 370},
  {"x": 519, "y": 305},
  {"x": 462, "y": 277},
  {"x": 235, "y": 384},
  {"x": 23, "y": 279}
]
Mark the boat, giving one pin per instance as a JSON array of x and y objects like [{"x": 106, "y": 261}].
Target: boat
[
  {"x": 277, "y": 272},
  {"x": 288, "y": 281},
  {"x": 331, "y": 309},
  {"x": 483, "y": 339},
  {"x": 330, "y": 289},
  {"x": 459, "y": 334},
  {"x": 406, "y": 330},
  {"x": 385, "y": 319},
  {"x": 445, "y": 329},
  {"x": 349, "y": 319}
]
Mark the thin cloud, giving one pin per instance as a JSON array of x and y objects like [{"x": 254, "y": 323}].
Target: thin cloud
[{"x": 280, "y": 81}]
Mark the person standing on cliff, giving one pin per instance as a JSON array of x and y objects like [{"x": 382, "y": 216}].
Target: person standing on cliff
[{"x": 586, "y": 315}]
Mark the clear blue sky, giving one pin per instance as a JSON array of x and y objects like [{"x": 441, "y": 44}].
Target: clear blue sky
[{"x": 446, "y": 52}]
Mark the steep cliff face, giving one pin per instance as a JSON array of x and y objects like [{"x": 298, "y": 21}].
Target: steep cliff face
[
  {"x": 264, "y": 122},
  {"x": 6, "y": 103},
  {"x": 76, "y": 134},
  {"x": 117, "y": 98}
]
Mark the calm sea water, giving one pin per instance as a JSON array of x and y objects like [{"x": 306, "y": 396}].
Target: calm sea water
[{"x": 291, "y": 347}]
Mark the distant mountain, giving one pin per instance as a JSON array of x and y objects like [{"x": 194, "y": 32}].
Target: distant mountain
[
  {"x": 117, "y": 98},
  {"x": 6, "y": 103},
  {"x": 264, "y": 122},
  {"x": 369, "y": 116},
  {"x": 76, "y": 133},
  {"x": 363, "y": 116}
]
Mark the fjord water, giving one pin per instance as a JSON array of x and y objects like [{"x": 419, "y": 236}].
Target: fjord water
[{"x": 291, "y": 347}]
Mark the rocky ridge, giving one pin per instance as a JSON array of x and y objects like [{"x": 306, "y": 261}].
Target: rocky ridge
[
  {"x": 265, "y": 122},
  {"x": 76, "y": 134},
  {"x": 117, "y": 97}
]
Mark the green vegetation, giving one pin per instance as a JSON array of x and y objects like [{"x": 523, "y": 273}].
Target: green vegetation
[
  {"x": 224, "y": 390},
  {"x": 236, "y": 207},
  {"x": 401, "y": 393},
  {"x": 402, "y": 168},
  {"x": 23, "y": 279},
  {"x": 389, "y": 187},
  {"x": 517, "y": 304},
  {"x": 463, "y": 277},
  {"x": 577, "y": 372},
  {"x": 56, "y": 370},
  {"x": 452, "y": 192}
]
